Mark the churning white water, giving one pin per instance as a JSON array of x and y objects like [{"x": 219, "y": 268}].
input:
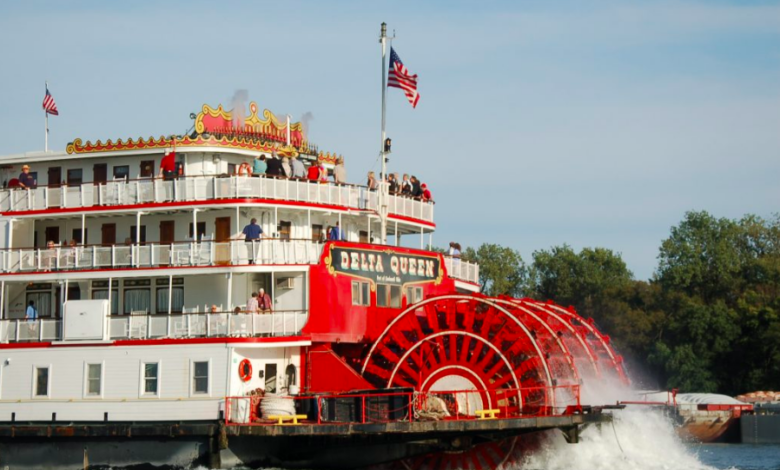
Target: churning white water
[{"x": 637, "y": 439}]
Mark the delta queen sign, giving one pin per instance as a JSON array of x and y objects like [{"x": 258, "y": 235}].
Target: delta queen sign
[{"x": 384, "y": 265}]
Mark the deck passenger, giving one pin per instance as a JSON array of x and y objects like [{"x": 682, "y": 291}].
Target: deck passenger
[
  {"x": 426, "y": 193},
  {"x": 314, "y": 173},
  {"x": 339, "y": 172},
  {"x": 372, "y": 183},
  {"x": 252, "y": 305},
  {"x": 259, "y": 166},
  {"x": 298, "y": 171},
  {"x": 286, "y": 168},
  {"x": 336, "y": 233},
  {"x": 406, "y": 186},
  {"x": 252, "y": 235},
  {"x": 264, "y": 301},
  {"x": 168, "y": 166},
  {"x": 26, "y": 180},
  {"x": 323, "y": 173},
  {"x": 416, "y": 189},
  {"x": 274, "y": 166},
  {"x": 32, "y": 312}
]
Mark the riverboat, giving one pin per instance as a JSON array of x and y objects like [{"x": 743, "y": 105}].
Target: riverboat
[
  {"x": 141, "y": 332},
  {"x": 144, "y": 321}
]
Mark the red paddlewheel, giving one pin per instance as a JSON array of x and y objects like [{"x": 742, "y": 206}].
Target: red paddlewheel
[
  {"x": 585, "y": 358},
  {"x": 460, "y": 343},
  {"x": 610, "y": 363}
]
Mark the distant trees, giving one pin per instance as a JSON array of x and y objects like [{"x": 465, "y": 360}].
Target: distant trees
[{"x": 709, "y": 320}]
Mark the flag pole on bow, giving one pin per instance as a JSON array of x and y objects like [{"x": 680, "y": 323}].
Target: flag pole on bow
[
  {"x": 46, "y": 124},
  {"x": 383, "y": 185}
]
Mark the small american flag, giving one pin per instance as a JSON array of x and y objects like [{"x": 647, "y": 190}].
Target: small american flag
[
  {"x": 49, "y": 105},
  {"x": 399, "y": 77}
]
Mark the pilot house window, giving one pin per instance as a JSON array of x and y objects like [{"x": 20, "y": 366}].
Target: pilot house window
[
  {"x": 388, "y": 296},
  {"x": 360, "y": 293}
]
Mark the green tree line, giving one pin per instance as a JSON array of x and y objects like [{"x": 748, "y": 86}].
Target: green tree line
[{"x": 707, "y": 321}]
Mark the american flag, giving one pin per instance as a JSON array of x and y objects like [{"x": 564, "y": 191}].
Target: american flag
[
  {"x": 49, "y": 105},
  {"x": 399, "y": 77}
]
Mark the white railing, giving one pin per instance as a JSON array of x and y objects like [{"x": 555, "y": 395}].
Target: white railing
[
  {"x": 195, "y": 325},
  {"x": 462, "y": 270},
  {"x": 40, "y": 329},
  {"x": 204, "y": 253},
  {"x": 118, "y": 193},
  {"x": 191, "y": 325}
]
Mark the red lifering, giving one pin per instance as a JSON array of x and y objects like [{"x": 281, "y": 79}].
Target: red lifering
[{"x": 245, "y": 370}]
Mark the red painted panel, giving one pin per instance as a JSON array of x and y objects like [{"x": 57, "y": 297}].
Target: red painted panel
[
  {"x": 333, "y": 318},
  {"x": 329, "y": 373}
]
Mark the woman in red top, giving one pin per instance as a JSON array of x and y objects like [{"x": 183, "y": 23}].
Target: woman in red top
[
  {"x": 313, "y": 173},
  {"x": 426, "y": 195}
]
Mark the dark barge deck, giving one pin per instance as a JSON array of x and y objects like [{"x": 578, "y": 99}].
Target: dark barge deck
[{"x": 216, "y": 445}]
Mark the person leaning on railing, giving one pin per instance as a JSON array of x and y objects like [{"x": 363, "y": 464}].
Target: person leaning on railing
[
  {"x": 168, "y": 165},
  {"x": 339, "y": 172},
  {"x": 259, "y": 166},
  {"x": 298, "y": 170},
  {"x": 26, "y": 181}
]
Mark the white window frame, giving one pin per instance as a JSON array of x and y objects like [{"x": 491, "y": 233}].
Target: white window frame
[
  {"x": 361, "y": 288},
  {"x": 102, "y": 365},
  {"x": 33, "y": 390},
  {"x": 193, "y": 393},
  {"x": 142, "y": 382}
]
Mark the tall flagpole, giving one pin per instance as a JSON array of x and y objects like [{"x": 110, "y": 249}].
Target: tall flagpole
[
  {"x": 46, "y": 121},
  {"x": 383, "y": 186}
]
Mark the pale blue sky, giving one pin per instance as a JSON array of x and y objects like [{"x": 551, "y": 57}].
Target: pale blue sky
[{"x": 540, "y": 122}]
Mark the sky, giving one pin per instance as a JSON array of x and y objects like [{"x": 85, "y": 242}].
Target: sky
[{"x": 590, "y": 123}]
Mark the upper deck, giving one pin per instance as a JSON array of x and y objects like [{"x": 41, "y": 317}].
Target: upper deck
[{"x": 148, "y": 193}]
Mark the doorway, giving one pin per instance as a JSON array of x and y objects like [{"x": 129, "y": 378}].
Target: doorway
[
  {"x": 99, "y": 173},
  {"x": 108, "y": 234},
  {"x": 52, "y": 235},
  {"x": 55, "y": 176},
  {"x": 222, "y": 239}
]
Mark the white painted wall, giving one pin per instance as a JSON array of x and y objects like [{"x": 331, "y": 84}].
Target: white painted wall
[{"x": 122, "y": 394}]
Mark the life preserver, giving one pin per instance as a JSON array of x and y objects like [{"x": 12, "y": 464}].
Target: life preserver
[{"x": 245, "y": 370}]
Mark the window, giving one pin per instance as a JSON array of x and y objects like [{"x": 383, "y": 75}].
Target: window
[
  {"x": 138, "y": 300},
  {"x": 388, "y": 296},
  {"x": 201, "y": 231},
  {"x": 231, "y": 168},
  {"x": 363, "y": 236},
  {"x": 121, "y": 172},
  {"x": 413, "y": 294},
  {"x": 200, "y": 377},
  {"x": 133, "y": 234},
  {"x": 75, "y": 177},
  {"x": 100, "y": 292},
  {"x": 284, "y": 229},
  {"x": 103, "y": 294},
  {"x": 147, "y": 168},
  {"x": 317, "y": 233},
  {"x": 41, "y": 381},
  {"x": 94, "y": 375},
  {"x": 360, "y": 293},
  {"x": 151, "y": 379},
  {"x": 42, "y": 303},
  {"x": 177, "y": 299}
]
